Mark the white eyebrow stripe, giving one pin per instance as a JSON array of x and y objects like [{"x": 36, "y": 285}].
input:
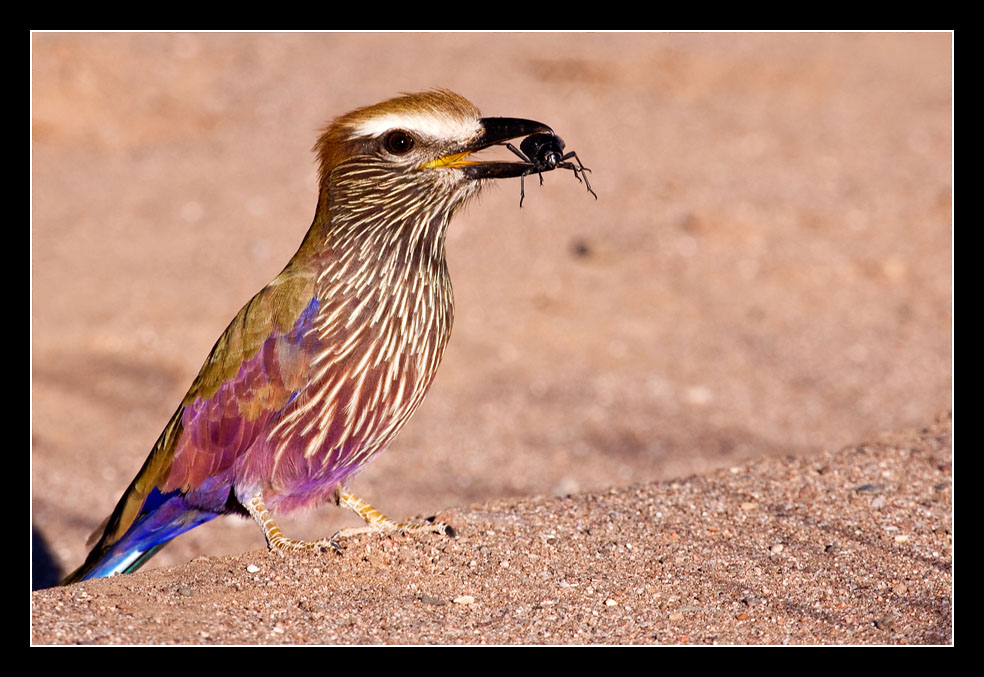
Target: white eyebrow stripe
[{"x": 425, "y": 123}]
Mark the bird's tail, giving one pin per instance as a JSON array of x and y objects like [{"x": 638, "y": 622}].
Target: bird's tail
[{"x": 164, "y": 517}]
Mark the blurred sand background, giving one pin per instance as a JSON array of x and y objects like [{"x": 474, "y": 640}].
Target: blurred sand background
[{"x": 767, "y": 271}]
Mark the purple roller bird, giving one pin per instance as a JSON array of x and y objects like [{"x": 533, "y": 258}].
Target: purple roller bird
[{"x": 325, "y": 365}]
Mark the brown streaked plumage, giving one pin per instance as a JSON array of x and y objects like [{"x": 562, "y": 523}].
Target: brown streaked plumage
[{"x": 325, "y": 365}]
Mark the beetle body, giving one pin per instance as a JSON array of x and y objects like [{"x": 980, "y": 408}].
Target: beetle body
[{"x": 544, "y": 152}]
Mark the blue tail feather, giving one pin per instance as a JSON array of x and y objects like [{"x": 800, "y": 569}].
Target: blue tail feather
[{"x": 165, "y": 516}]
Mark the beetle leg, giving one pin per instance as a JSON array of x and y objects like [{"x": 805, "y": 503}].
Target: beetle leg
[
  {"x": 518, "y": 152},
  {"x": 578, "y": 170}
]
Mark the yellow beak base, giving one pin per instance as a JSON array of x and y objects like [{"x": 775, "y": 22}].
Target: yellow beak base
[{"x": 453, "y": 160}]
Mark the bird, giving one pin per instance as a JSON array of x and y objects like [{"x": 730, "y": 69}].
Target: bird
[{"x": 323, "y": 367}]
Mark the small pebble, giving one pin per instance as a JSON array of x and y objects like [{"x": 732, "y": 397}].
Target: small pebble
[
  {"x": 252, "y": 568},
  {"x": 464, "y": 599},
  {"x": 886, "y": 623}
]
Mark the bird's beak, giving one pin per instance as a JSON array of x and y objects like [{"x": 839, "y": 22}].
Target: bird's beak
[{"x": 494, "y": 131}]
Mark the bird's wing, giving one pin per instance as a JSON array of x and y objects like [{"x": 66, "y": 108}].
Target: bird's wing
[{"x": 255, "y": 369}]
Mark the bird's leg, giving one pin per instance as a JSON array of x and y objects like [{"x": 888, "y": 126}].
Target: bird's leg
[
  {"x": 377, "y": 521},
  {"x": 275, "y": 539}
]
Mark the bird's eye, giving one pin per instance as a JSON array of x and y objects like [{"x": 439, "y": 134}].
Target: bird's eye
[{"x": 398, "y": 142}]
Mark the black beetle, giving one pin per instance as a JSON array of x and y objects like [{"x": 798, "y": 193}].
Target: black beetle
[{"x": 544, "y": 152}]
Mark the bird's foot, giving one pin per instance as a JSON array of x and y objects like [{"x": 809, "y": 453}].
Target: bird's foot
[
  {"x": 375, "y": 522},
  {"x": 378, "y": 522},
  {"x": 281, "y": 544},
  {"x": 275, "y": 538}
]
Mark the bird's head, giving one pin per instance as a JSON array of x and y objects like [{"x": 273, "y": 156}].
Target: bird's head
[{"x": 415, "y": 148}]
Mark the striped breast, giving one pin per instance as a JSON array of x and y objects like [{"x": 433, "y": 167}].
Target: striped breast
[{"x": 385, "y": 310}]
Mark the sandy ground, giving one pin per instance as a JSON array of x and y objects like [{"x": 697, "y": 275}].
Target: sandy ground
[
  {"x": 847, "y": 547},
  {"x": 656, "y": 404}
]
